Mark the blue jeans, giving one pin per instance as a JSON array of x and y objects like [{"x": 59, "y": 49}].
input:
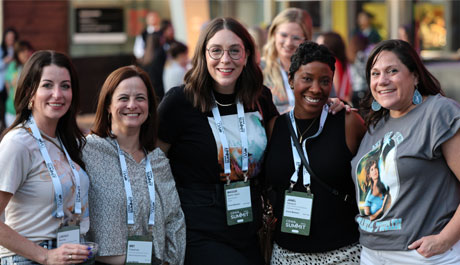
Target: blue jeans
[{"x": 20, "y": 260}]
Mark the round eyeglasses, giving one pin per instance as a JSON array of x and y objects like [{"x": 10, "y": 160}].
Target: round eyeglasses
[{"x": 235, "y": 52}]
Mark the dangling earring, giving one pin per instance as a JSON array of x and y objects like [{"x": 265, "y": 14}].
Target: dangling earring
[
  {"x": 375, "y": 105},
  {"x": 417, "y": 98},
  {"x": 30, "y": 105}
]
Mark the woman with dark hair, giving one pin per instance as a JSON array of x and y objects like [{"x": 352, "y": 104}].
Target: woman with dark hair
[
  {"x": 377, "y": 195},
  {"x": 126, "y": 172},
  {"x": 416, "y": 129},
  {"x": 43, "y": 185},
  {"x": 329, "y": 235},
  {"x": 342, "y": 80},
  {"x": 10, "y": 36},
  {"x": 213, "y": 129}
]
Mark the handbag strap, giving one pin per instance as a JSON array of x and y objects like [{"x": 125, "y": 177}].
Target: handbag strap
[{"x": 345, "y": 197}]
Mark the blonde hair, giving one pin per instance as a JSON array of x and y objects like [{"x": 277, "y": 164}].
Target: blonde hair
[{"x": 272, "y": 75}]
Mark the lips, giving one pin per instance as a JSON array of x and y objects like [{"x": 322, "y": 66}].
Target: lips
[
  {"x": 131, "y": 114},
  {"x": 311, "y": 100},
  {"x": 386, "y": 91},
  {"x": 225, "y": 70},
  {"x": 56, "y": 104}
]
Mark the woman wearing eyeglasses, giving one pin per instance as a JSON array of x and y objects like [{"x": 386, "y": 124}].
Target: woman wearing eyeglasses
[
  {"x": 213, "y": 129},
  {"x": 289, "y": 29}
]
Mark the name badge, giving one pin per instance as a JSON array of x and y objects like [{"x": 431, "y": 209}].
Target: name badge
[
  {"x": 68, "y": 234},
  {"x": 139, "y": 250},
  {"x": 297, "y": 213},
  {"x": 238, "y": 202}
]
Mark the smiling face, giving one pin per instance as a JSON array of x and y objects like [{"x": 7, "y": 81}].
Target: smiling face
[
  {"x": 225, "y": 71},
  {"x": 392, "y": 84},
  {"x": 374, "y": 173},
  {"x": 312, "y": 84},
  {"x": 53, "y": 96},
  {"x": 129, "y": 106},
  {"x": 288, "y": 37}
]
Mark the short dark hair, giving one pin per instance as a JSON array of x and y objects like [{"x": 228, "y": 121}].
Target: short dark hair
[
  {"x": 102, "y": 123},
  {"x": 29, "y": 80},
  {"x": 20, "y": 46},
  {"x": 177, "y": 48},
  {"x": 427, "y": 83},
  {"x": 310, "y": 52},
  {"x": 198, "y": 81}
]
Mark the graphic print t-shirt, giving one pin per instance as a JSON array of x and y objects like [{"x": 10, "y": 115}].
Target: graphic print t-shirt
[
  {"x": 196, "y": 151},
  {"x": 402, "y": 178}
]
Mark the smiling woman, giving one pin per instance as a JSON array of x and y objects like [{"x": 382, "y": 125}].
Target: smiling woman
[{"x": 126, "y": 171}]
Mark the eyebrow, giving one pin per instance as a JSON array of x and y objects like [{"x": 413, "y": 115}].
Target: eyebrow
[{"x": 48, "y": 80}]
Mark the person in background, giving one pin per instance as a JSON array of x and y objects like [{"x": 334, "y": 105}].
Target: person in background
[
  {"x": 22, "y": 51},
  {"x": 366, "y": 28},
  {"x": 152, "y": 21},
  {"x": 176, "y": 67},
  {"x": 414, "y": 132},
  {"x": 288, "y": 30},
  {"x": 357, "y": 57},
  {"x": 10, "y": 36},
  {"x": 342, "y": 79},
  {"x": 259, "y": 40},
  {"x": 123, "y": 163},
  {"x": 43, "y": 185},
  {"x": 333, "y": 234}
]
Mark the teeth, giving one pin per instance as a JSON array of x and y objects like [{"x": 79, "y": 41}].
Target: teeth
[
  {"x": 312, "y": 100},
  {"x": 225, "y": 70},
  {"x": 386, "y": 91},
  {"x": 55, "y": 105},
  {"x": 132, "y": 114}
]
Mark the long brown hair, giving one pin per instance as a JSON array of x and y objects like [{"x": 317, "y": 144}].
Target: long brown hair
[
  {"x": 198, "y": 81},
  {"x": 102, "y": 123},
  {"x": 427, "y": 83},
  {"x": 67, "y": 129}
]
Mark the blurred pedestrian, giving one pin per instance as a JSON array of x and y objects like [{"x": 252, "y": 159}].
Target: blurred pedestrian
[
  {"x": 22, "y": 51},
  {"x": 357, "y": 57},
  {"x": 10, "y": 36},
  {"x": 152, "y": 21},
  {"x": 366, "y": 28},
  {"x": 176, "y": 66}
]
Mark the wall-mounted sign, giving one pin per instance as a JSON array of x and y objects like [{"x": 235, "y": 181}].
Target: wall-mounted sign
[{"x": 99, "y": 25}]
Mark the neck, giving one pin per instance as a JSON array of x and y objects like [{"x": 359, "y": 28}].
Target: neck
[
  {"x": 127, "y": 139},
  {"x": 47, "y": 126},
  {"x": 285, "y": 63},
  {"x": 300, "y": 113},
  {"x": 225, "y": 90}
]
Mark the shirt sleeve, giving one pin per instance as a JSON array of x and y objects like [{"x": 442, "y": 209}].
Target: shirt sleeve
[
  {"x": 14, "y": 163},
  {"x": 138, "y": 49}
]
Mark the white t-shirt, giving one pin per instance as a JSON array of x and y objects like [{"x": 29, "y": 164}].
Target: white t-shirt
[{"x": 31, "y": 210}]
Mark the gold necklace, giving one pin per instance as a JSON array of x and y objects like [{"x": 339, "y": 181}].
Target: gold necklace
[
  {"x": 306, "y": 130},
  {"x": 223, "y": 105}
]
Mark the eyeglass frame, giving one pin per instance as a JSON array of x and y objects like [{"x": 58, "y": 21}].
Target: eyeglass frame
[
  {"x": 225, "y": 50},
  {"x": 292, "y": 37}
]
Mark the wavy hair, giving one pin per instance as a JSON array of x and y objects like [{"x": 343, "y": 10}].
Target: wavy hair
[
  {"x": 271, "y": 71},
  {"x": 67, "y": 129},
  {"x": 103, "y": 124},
  {"x": 198, "y": 81},
  {"x": 427, "y": 83}
]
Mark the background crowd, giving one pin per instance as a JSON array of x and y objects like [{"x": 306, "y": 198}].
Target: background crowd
[{"x": 183, "y": 157}]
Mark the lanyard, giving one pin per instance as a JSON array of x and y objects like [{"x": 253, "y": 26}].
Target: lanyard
[
  {"x": 295, "y": 154},
  {"x": 223, "y": 139},
  {"x": 287, "y": 87},
  {"x": 58, "y": 195},
  {"x": 129, "y": 192}
]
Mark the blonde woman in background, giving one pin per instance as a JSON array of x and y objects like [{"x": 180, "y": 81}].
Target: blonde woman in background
[{"x": 289, "y": 29}]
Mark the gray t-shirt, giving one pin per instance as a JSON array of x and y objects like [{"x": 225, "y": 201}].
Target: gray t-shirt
[{"x": 415, "y": 191}]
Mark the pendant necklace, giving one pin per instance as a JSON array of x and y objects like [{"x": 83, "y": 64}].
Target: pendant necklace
[{"x": 306, "y": 130}]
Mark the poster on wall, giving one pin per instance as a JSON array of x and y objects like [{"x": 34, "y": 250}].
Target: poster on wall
[{"x": 99, "y": 25}]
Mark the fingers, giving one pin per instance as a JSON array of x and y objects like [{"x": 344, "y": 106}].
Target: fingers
[
  {"x": 69, "y": 254},
  {"x": 415, "y": 244}
]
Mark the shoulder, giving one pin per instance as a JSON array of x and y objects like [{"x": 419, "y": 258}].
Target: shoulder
[
  {"x": 18, "y": 139},
  {"x": 96, "y": 145},
  {"x": 174, "y": 96}
]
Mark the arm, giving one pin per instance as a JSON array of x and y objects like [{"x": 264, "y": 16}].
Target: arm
[
  {"x": 379, "y": 211},
  {"x": 269, "y": 129},
  {"x": 354, "y": 131},
  {"x": 437, "y": 244},
  {"x": 24, "y": 247}
]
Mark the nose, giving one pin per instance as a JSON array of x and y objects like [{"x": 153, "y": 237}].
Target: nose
[
  {"x": 131, "y": 104},
  {"x": 315, "y": 87},
  {"x": 57, "y": 92},
  {"x": 383, "y": 80},
  {"x": 225, "y": 57}
]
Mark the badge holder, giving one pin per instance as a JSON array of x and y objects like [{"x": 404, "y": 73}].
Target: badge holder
[
  {"x": 238, "y": 201},
  {"x": 68, "y": 234},
  {"x": 139, "y": 250},
  {"x": 297, "y": 211}
]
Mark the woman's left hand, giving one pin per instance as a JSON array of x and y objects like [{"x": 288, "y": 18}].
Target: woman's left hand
[
  {"x": 429, "y": 246},
  {"x": 336, "y": 105}
]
